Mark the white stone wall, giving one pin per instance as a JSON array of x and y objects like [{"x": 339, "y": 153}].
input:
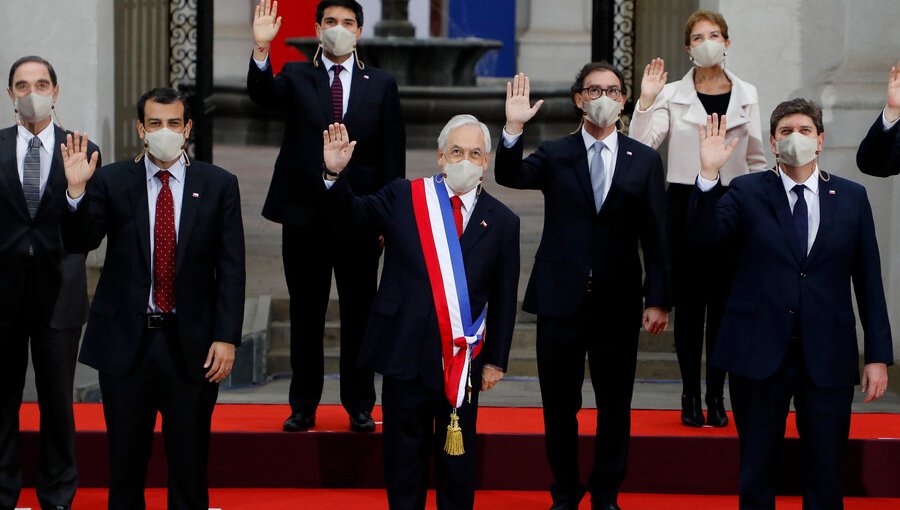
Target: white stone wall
[{"x": 77, "y": 39}]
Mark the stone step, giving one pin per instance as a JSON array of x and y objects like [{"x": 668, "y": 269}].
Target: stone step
[
  {"x": 658, "y": 366},
  {"x": 524, "y": 337}
]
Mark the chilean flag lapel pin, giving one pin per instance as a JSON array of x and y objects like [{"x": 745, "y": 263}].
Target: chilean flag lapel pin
[
  {"x": 365, "y": 76},
  {"x": 628, "y": 152},
  {"x": 483, "y": 224},
  {"x": 832, "y": 192},
  {"x": 195, "y": 195}
]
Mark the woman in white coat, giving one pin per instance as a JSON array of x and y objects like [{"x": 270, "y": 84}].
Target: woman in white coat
[{"x": 674, "y": 111}]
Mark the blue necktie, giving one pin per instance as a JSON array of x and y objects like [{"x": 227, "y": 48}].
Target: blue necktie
[
  {"x": 801, "y": 219},
  {"x": 31, "y": 176},
  {"x": 598, "y": 174}
]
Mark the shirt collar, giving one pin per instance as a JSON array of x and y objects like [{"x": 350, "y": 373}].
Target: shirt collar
[
  {"x": 177, "y": 170},
  {"x": 468, "y": 199},
  {"x": 811, "y": 183},
  {"x": 347, "y": 64},
  {"x": 611, "y": 141},
  {"x": 46, "y": 135}
]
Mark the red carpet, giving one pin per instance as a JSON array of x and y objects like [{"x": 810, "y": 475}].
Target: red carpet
[
  {"x": 341, "y": 499},
  {"x": 248, "y": 449},
  {"x": 491, "y": 420}
]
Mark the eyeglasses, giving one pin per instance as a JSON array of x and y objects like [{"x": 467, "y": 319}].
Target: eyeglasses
[{"x": 595, "y": 92}]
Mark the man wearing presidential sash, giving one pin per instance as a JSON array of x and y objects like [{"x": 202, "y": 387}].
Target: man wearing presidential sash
[{"x": 442, "y": 321}]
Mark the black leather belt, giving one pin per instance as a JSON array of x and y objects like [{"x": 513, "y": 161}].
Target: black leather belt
[{"x": 160, "y": 320}]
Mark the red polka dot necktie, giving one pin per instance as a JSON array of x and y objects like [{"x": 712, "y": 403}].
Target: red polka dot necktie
[
  {"x": 337, "y": 94},
  {"x": 164, "y": 247},
  {"x": 456, "y": 202}
]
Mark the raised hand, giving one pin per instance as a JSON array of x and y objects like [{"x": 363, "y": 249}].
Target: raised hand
[
  {"x": 714, "y": 151},
  {"x": 892, "y": 110},
  {"x": 266, "y": 23},
  {"x": 652, "y": 83},
  {"x": 338, "y": 148},
  {"x": 518, "y": 104},
  {"x": 79, "y": 168}
]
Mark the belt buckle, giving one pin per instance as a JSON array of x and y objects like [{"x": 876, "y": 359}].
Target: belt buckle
[{"x": 155, "y": 321}]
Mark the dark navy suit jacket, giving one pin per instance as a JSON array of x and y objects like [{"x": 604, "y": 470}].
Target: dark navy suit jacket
[
  {"x": 577, "y": 240},
  {"x": 402, "y": 339},
  {"x": 209, "y": 264},
  {"x": 61, "y": 281},
  {"x": 774, "y": 287},
  {"x": 302, "y": 92},
  {"x": 879, "y": 152}
]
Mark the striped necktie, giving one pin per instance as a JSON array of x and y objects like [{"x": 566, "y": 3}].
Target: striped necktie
[
  {"x": 31, "y": 176},
  {"x": 598, "y": 174},
  {"x": 337, "y": 94}
]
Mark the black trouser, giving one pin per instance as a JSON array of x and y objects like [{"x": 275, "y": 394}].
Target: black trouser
[
  {"x": 415, "y": 427},
  {"x": 53, "y": 354},
  {"x": 823, "y": 421},
  {"x": 158, "y": 382},
  {"x": 609, "y": 337},
  {"x": 701, "y": 279},
  {"x": 310, "y": 253}
]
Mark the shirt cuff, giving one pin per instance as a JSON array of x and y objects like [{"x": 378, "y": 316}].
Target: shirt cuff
[
  {"x": 329, "y": 184},
  {"x": 495, "y": 367},
  {"x": 706, "y": 184},
  {"x": 261, "y": 64},
  {"x": 885, "y": 123},
  {"x": 508, "y": 139},
  {"x": 73, "y": 202}
]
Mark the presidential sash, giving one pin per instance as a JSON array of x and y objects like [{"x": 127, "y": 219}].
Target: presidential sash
[{"x": 461, "y": 337}]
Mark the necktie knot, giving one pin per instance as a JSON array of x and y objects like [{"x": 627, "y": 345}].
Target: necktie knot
[
  {"x": 456, "y": 202},
  {"x": 599, "y": 146},
  {"x": 798, "y": 189},
  {"x": 163, "y": 176},
  {"x": 337, "y": 68},
  {"x": 35, "y": 143}
]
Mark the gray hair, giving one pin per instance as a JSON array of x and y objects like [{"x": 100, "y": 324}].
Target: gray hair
[{"x": 464, "y": 120}]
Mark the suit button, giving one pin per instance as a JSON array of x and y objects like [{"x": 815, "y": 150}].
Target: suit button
[
  {"x": 791, "y": 312},
  {"x": 802, "y": 275}
]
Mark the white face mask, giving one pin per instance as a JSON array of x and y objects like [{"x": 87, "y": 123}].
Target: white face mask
[
  {"x": 709, "y": 53},
  {"x": 338, "y": 41},
  {"x": 164, "y": 144},
  {"x": 797, "y": 149},
  {"x": 34, "y": 107},
  {"x": 462, "y": 176},
  {"x": 603, "y": 111}
]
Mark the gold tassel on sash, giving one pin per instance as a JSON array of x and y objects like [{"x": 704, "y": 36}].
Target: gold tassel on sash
[{"x": 454, "y": 444}]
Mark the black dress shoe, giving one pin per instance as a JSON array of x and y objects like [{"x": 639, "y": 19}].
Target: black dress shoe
[
  {"x": 362, "y": 422},
  {"x": 715, "y": 412},
  {"x": 691, "y": 412},
  {"x": 299, "y": 422}
]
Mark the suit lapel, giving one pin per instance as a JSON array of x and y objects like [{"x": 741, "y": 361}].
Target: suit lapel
[
  {"x": 479, "y": 223},
  {"x": 358, "y": 91},
  {"x": 827, "y": 206},
  {"x": 781, "y": 208},
  {"x": 137, "y": 195},
  {"x": 190, "y": 203},
  {"x": 624, "y": 157},
  {"x": 10, "y": 169},
  {"x": 582, "y": 170},
  {"x": 323, "y": 88}
]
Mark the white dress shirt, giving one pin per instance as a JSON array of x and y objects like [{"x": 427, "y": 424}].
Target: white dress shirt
[
  {"x": 48, "y": 139},
  {"x": 810, "y": 194},
  {"x": 154, "y": 186},
  {"x": 346, "y": 75},
  {"x": 608, "y": 154}
]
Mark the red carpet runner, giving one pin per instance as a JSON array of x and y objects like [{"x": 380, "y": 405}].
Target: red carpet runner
[{"x": 342, "y": 499}]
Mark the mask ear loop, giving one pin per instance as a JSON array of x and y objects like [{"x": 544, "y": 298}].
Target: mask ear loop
[
  {"x": 187, "y": 159},
  {"x": 316, "y": 56},
  {"x": 359, "y": 63},
  {"x": 141, "y": 154},
  {"x": 55, "y": 116}
]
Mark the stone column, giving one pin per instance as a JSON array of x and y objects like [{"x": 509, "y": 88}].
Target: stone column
[
  {"x": 77, "y": 39},
  {"x": 395, "y": 20},
  {"x": 555, "y": 38}
]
